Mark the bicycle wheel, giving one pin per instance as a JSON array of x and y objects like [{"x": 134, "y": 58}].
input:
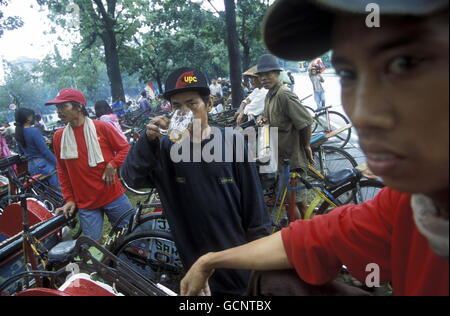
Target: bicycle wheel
[
  {"x": 329, "y": 159},
  {"x": 153, "y": 254},
  {"x": 145, "y": 191},
  {"x": 353, "y": 193},
  {"x": 335, "y": 122}
]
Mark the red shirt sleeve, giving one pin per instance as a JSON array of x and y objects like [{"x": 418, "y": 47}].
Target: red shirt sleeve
[
  {"x": 354, "y": 235},
  {"x": 117, "y": 143},
  {"x": 66, "y": 186}
]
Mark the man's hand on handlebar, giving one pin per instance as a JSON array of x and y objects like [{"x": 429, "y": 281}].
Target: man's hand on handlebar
[
  {"x": 68, "y": 209},
  {"x": 261, "y": 120},
  {"x": 239, "y": 118}
]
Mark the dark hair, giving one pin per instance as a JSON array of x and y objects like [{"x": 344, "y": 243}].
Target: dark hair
[
  {"x": 21, "y": 116},
  {"x": 77, "y": 105},
  {"x": 101, "y": 108}
]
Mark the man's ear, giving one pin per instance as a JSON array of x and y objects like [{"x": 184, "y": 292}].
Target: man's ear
[{"x": 209, "y": 105}]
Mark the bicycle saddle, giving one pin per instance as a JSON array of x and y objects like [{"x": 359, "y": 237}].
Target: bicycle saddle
[
  {"x": 317, "y": 140},
  {"x": 62, "y": 251},
  {"x": 339, "y": 178},
  {"x": 323, "y": 108}
]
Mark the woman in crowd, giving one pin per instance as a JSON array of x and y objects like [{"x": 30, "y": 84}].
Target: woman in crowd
[
  {"x": 105, "y": 113},
  {"x": 32, "y": 145}
]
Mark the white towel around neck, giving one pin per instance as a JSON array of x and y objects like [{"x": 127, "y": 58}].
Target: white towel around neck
[{"x": 69, "y": 148}]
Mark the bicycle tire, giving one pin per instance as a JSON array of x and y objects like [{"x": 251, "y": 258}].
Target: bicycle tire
[
  {"x": 311, "y": 111},
  {"x": 346, "y": 194},
  {"x": 340, "y": 120},
  {"x": 145, "y": 191},
  {"x": 161, "y": 263},
  {"x": 335, "y": 159}
]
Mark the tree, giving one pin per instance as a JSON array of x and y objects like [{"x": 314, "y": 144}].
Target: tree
[
  {"x": 177, "y": 33},
  {"x": 10, "y": 22},
  {"x": 250, "y": 14},
  {"x": 84, "y": 71},
  {"x": 113, "y": 22},
  {"x": 233, "y": 53}
]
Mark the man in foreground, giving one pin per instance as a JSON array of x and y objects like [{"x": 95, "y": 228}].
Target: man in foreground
[
  {"x": 210, "y": 205},
  {"x": 394, "y": 80}
]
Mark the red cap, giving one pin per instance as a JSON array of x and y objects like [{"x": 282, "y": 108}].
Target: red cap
[{"x": 68, "y": 95}]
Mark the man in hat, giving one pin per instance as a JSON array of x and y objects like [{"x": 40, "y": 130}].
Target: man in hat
[
  {"x": 88, "y": 153},
  {"x": 395, "y": 90},
  {"x": 284, "y": 110},
  {"x": 253, "y": 105},
  {"x": 210, "y": 205}
]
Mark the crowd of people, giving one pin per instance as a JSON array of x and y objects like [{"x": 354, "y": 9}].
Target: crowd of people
[{"x": 394, "y": 82}]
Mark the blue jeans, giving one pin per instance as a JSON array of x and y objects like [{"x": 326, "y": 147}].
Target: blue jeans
[
  {"x": 319, "y": 97},
  {"x": 42, "y": 166},
  {"x": 92, "y": 220}
]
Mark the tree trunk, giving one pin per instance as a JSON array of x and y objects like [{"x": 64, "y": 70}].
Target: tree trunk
[
  {"x": 246, "y": 57},
  {"x": 233, "y": 53},
  {"x": 113, "y": 66}
]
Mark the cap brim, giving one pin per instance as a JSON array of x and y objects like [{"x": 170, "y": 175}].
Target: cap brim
[
  {"x": 268, "y": 70},
  {"x": 167, "y": 95},
  {"x": 301, "y": 29},
  {"x": 297, "y": 30},
  {"x": 56, "y": 101}
]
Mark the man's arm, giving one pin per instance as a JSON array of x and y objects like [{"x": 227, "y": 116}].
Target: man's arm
[
  {"x": 144, "y": 158},
  {"x": 66, "y": 186},
  {"x": 354, "y": 235},
  {"x": 117, "y": 143},
  {"x": 251, "y": 256},
  {"x": 305, "y": 138}
]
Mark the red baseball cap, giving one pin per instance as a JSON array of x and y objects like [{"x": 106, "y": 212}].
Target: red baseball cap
[{"x": 68, "y": 95}]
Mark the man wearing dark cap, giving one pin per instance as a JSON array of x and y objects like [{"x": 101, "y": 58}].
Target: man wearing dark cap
[
  {"x": 210, "y": 205},
  {"x": 395, "y": 90},
  {"x": 88, "y": 154},
  {"x": 283, "y": 110}
]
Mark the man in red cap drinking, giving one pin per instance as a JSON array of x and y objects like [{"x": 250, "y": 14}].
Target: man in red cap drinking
[{"x": 88, "y": 154}]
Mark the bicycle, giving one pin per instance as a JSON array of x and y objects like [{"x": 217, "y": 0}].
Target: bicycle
[
  {"x": 147, "y": 246},
  {"x": 45, "y": 269},
  {"x": 328, "y": 159},
  {"x": 331, "y": 123},
  {"x": 326, "y": 195},
  {"x": 38, "y": 190}
]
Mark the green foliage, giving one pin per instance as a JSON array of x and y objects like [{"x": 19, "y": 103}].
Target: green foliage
[
  {"x": 152, "y": 38},
  {"x": 9, "y": 22}
]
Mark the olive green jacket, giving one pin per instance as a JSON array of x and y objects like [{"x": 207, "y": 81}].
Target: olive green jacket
[{"x": 283, "y": 110}]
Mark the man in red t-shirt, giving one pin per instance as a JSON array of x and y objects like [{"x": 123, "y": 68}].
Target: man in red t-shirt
[
  {"x": 88, "y": 154},
  {"x": 394, "y": 77}
]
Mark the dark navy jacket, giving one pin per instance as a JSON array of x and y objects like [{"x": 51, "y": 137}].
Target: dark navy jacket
[{"x": 210, "y": 206}]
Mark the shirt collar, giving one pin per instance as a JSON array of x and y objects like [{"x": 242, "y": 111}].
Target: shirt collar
[{"x": 275, "y": 89}]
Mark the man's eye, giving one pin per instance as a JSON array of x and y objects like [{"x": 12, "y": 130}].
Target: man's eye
[
  {"x": 401, "y": 64},
  {"x": 346, "y": 75}
]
